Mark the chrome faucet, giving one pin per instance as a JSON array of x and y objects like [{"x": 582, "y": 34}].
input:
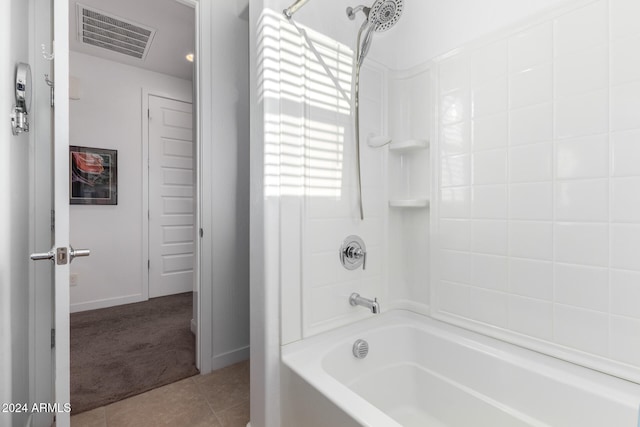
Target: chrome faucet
[{"x": 356, "y": 299}]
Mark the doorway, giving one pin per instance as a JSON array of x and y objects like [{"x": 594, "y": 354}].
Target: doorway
[{"x": 111, "y": 83}]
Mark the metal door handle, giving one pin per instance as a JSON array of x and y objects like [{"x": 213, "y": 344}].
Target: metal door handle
[
  {"x": 44, "y": 255},
  {"x": 75, "y": 253},
  {"x": 59, "y": 255}
]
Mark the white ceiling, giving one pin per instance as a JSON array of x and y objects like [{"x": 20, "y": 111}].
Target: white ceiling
[{"x": 175, "y": 33}]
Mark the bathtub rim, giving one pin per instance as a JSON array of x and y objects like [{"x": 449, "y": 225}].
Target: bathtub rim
[{"x": 305, "y": 358}]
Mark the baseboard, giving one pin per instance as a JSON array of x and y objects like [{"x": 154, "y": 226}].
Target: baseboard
[
  {"x": 230, "y": 358},
  {"x": 194, "y": 327},
  {"x": 105, "y": 303}
]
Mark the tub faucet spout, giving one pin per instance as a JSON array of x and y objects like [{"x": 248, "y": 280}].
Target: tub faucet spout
[{"x": 356, "y": 299}]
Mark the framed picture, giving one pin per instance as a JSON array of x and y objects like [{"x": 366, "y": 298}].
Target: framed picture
[{"x": 93, "y": 178}]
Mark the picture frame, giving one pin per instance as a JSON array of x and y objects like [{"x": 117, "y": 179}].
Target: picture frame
[{"x": 93, "y": 176}]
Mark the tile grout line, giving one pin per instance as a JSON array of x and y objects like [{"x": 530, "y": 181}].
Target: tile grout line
[{"x": 199, "y": 389}]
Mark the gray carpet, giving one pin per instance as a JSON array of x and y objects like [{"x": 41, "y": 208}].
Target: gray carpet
[{"x": 122, "y": 351}]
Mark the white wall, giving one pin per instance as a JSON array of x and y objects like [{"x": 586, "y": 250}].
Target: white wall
[
  {"x": 538, "y": 211},
  {"x": 14, "y": 214},
  {"x": 109, "y": 115},
  {"x": 225, "y": 168}
]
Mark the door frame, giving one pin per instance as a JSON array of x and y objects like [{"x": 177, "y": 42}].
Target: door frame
[
  {"x": 201, "y": 104},
  {"x": 203, "y": 110}
]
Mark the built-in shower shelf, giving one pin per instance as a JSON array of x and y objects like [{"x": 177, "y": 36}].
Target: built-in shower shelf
[
  {"x": 409, "y": 203},
  {"x": 409, "y": 145}
]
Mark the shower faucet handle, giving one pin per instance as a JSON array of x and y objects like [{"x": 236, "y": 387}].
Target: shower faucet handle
[{"x": 353, "y": 253}]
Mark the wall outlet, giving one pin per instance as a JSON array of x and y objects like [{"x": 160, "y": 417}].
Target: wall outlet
[{"x": 73, "y": 279}]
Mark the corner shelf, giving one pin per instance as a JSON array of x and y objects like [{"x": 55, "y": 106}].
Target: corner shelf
[
  {"x": 409, "y": 203},
  {"x": 409, "y": 145}
]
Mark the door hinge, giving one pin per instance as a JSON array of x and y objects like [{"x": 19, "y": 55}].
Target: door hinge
[
  {"x": 148, "y": 215},
  {"x": 201, "y": 233},
  {"x": 53, "y": 338},
  {"x": 148, "y": 264},
  {"x": 53, "y": 220},
  {"x": 148, "y": 114}
]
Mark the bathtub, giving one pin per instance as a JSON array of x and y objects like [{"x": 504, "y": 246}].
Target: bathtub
[{"x": 422, "y": 372}]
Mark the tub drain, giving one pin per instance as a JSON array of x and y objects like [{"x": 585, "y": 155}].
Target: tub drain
[{"x": 360, "y": 349}]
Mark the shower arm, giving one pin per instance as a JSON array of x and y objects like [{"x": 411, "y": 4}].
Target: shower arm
[{"x": 288, "y": 12}]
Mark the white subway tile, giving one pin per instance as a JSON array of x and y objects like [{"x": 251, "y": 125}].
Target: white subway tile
[
  {"x": 488, "y": 62},
  {"x": 490, "y": 132},
  {"x": 531, "y": 47},
  {"x": 455, "y": 170},
  {"x": 455, "y": 266},
  {"x": 452, "y": 298},
  {"x": 626, "y": 153},
  {"x": 625, "y": 106},
  {"x": 625, "y": 15},
  {"x": 531, "y": 86},
  {"x": 582, "y": 286},
  {"x": 489, "y": 237},
  {"x": 530, "y": 239},
  {"x": 625, "y": 246},
  {"x": 625, "y": 293},
  {"x": 490, "y": 167},
  {"x": 455, "y": 202},
  {"x": 586, "y": 244},
  {"x": 531, "y": 201},
  {"x": 489, "y": 202},
  {"x": 531, "y": 124},
  {"x": 489, "y": 307},
  {"x": 531, "y": 317},
  {"x": 625, "y": 64},
  {"x": 582, "y": 29},
  {"x": 455, "y": 139},
  {"x": 626, "y": 200},
  {"x": 582, "y": 72},
  {"x": 455, "y": 234},
  {"x": 490, "y": 272},
  {"x": 581, "y": 329},
  {"x": 454, "y": 73},
  {"x": 531, "y": 278},
  {"x": 531, "y": 163},
  {"x": 582, "y": 115},
  {"x": 625, "y": 345},
  {"x": 322, "y": 269},
  {"x": 322, "y": 234},
  {"x": 582, "y": 200},
  {"x": 455, "y": 107},
  {"x": 490, "y": 98},
  {"x": 585, "y": 157}
]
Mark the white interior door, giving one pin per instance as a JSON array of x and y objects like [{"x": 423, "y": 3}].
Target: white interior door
[
  {"x": 41, "y": 360},
  {"x": 171, "y": 197}
]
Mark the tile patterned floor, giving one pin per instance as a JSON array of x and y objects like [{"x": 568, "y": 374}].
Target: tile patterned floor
[{"x": 219, "y": 399}]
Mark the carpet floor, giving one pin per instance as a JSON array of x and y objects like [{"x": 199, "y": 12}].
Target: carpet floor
[{"x": 122, "y": 351}]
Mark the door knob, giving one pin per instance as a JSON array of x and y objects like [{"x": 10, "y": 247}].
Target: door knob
[
  {"x": 44, "y": 255},
  {"x": 75, "y": 253},
  {"x": 60, "y": 255}
]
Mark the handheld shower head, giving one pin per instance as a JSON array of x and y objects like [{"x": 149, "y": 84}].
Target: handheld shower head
[
  {"x": 385, "y": 13},
  {"x": 380, "y": 17}
]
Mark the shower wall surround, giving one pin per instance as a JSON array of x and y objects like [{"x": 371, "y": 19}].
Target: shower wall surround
[
  {"x": 536, "y": 221},
  {"x": 309, "y": 171}
]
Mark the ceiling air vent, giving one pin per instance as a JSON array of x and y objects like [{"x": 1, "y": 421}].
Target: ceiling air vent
[{"x": 110, "y": 32}]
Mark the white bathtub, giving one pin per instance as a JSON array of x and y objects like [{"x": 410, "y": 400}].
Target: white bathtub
[{"x": 422, "y": 372}]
